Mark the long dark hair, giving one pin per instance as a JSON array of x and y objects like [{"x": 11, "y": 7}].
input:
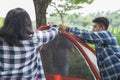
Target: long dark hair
[{"x": 17, "y": 26}]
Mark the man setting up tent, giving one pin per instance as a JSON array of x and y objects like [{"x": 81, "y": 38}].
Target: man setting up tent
[{"x": 106, "y": 46}]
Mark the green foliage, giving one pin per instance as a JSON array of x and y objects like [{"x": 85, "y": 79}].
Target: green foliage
[
  {"x": 81, "y": 1},
  {"x": 118, "y": 38},
  {"x": 1, "y": 22},
  {"x": 116, "y": 32},
  {"x": 63, "y": 7},
  {"x": 85, "y": 22}
]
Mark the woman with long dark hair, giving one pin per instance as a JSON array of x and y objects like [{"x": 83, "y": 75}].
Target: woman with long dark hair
[{"x": 19, "y": 47}]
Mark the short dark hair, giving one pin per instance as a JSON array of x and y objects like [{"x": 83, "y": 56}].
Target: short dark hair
[
  {"x": 102, "y": 21},
  {"x": 16, "y": 25}
]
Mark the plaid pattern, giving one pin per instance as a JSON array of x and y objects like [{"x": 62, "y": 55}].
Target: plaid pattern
[
  {"x": 24, "y": 62},
  {"x": 107, "y": 49}
]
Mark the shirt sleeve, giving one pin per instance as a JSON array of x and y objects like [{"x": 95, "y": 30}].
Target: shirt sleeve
[
  {"x": 46, "y": 36},
  {"x": 90, "y": 36}
]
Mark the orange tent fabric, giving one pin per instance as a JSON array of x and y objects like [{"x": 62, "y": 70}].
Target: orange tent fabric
[
  {"x": 43, "y": 27},
  {"x": 50, "y": 76}
]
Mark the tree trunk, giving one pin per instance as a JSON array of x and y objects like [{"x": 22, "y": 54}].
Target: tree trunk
[{"x": 40, "y": 10}]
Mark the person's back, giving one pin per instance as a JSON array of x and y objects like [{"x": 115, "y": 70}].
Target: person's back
[
  {"x": 19, "y": 48},
  {"x": 19, "y": 62}
]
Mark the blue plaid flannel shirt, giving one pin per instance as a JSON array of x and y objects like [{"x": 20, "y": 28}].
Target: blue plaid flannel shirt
[
  {"x": 107, "y": 51},
  {"x": 24, "y": 62}
]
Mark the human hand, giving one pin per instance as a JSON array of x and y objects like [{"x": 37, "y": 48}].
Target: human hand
[{"x": 62, "y": 27}]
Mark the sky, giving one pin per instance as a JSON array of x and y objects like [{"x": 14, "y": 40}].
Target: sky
[
  {"x": 97, "y": 5},
  {"x": 101, "y": 5}
]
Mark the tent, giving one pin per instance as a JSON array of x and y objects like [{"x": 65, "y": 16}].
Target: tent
[{"x": 87, "y": 70}]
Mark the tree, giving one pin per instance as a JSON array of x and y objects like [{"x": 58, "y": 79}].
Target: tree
[
  {"x": 40, "y": 10},
  {"x": 42, "y": 5},
  {"x": 67, "y": 6}
]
